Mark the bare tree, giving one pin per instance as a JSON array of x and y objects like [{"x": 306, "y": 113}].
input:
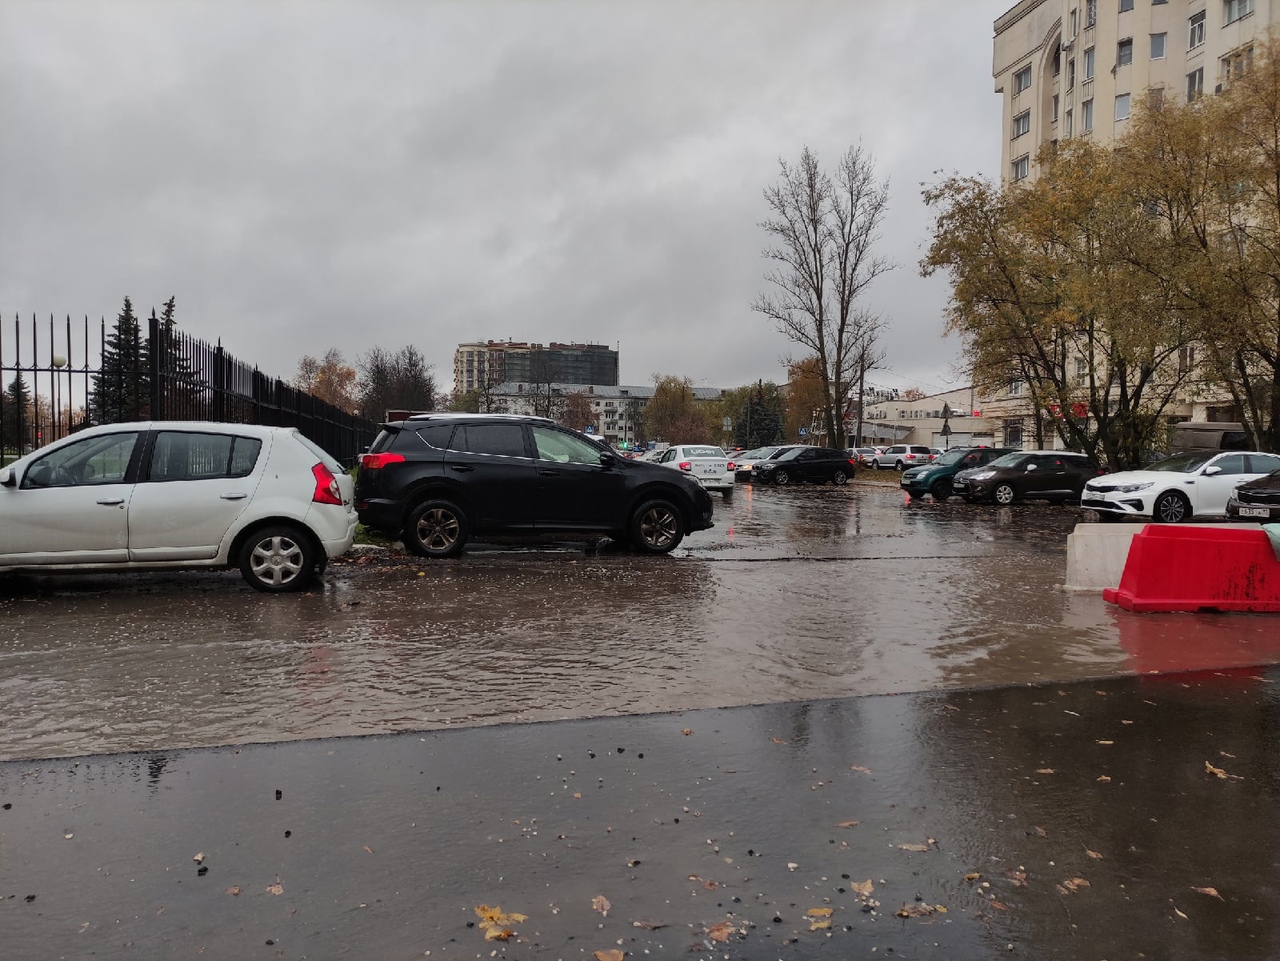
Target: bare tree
[{"x": 823, "y": 229}]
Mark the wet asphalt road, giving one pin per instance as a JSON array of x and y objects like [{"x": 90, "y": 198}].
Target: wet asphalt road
[
  {"x": 1131, "y": 818},
  {"x": 1011, "y": 810},
  {"x": 796, "y": 594}
]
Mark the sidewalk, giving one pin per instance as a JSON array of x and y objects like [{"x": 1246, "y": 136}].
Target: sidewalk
[{"x": 1126, "y": 818}]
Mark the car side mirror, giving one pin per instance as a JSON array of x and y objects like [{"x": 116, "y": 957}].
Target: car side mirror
[
  {"x": 607, "y": 459},
  {"x": 1030, "y": 468},
  {"x": 7, "y": 477},
  {"x": 1210, "y": 471}
]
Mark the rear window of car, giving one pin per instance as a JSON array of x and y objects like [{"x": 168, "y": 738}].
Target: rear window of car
[
  {"x": 919, "y": 450},
  {"x": 435, "y": 435},
  {"x": 502, "y": 440},
  {"x": 184, "y": 455}
]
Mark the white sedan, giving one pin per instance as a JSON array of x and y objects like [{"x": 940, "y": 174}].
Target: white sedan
[
  {"x": 709, "y": 466},
  {"x": 1177, "y": 488},
  {"x": 145, "y": 496}
]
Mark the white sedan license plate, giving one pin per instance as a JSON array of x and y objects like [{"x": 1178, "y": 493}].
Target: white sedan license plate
[
  {"x": 1254, "y": 512},
  {"x": 711, "y": 472}
]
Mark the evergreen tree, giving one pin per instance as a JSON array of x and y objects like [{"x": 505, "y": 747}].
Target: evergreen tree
[
  {"x": 15, "y": 418},
  {"x": 182, "y": 386},
  {"x": 761, "y": 420},
  {"x": 121, "y": 388}
]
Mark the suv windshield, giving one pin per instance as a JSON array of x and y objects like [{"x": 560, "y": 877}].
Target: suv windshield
[
  {"x": 789, "y": 455},
  {"x": 952, "y": 457}
]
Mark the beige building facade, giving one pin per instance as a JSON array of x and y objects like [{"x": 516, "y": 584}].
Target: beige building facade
[{"x": 1078, "y": 68}]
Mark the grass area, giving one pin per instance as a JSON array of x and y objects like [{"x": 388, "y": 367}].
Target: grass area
[{"x": 367, "y": 535}]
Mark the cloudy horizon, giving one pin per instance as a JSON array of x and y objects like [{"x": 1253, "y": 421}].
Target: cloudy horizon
[{"x": 306, "y": 176}]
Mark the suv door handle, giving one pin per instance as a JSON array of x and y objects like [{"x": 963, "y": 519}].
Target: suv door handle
[
  {"x": 461, "y": 468},
  {"x": 548, "y": 472}
]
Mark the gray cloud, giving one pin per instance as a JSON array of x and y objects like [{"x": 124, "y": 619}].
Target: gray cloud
[{"x": 307, "y": 175}]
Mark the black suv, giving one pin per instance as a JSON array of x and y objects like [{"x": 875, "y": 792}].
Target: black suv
[
  {"x": 438, "y": 479},
  {"x": 1040, "y": 475},
  {"x": 817, "y": 464}
]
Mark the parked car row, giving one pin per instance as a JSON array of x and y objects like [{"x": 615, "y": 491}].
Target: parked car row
[{"x": 1240, "y": 485}]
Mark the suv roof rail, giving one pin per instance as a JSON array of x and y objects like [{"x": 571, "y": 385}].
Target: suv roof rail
[{"x": 462, "y": 415}]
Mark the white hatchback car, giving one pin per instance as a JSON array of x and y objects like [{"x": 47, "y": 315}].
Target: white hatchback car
[
  {"x": 173, "y": 494},
  {"x": 1177, "y": 488},
  {"x": 709, "y": 466}
]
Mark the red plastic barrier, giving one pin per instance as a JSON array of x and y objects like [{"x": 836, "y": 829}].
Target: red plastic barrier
[{"x": 1197, "y": 569}]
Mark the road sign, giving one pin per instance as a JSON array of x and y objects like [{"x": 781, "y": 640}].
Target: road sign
[
  {"x": 804, "y": 431},
  {"x": 728, "y": 423}
]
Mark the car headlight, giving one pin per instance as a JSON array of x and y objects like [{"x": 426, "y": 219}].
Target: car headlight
[
  {"x": 983, "y": 475},
  {"x": 1130, "y": 488}
]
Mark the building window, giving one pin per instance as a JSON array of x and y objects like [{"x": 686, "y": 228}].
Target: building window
[
  {"x": 1195, "y": 34},
  {"x": 1013, "y": 433},
  {"x": 1233, "y": 10},
  {"x": 1015, "y": 388},
  {"x": 1071, "y": 73},
  {"x": 1055, "y": 108},
  {"x": 1067, "y": 125},
  {"x": 1090, "y": 12},
  {"x": 1057, "y": 61},
  {"x": 1195, "y": 84},
  {"x": 1082, "y": 367},
  {"x": 1122, "y": 107},
  {"x": 1157, "y": 45},
  {"x": 1088, "y": 65},
  {"x": 1075, "y": 22},
  {"x": 1086, "y": 116},
  {"x": 1126, "y": 5},
  {"x": 1021, "y": 124},
  {"x": 1022, "y": 79},
  {"x": 1124, "y": 52},
  {"x": 1237, "y": 62},
  {"x": 1022, "y": 167}
]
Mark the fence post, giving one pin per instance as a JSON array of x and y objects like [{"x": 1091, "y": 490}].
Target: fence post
[{"x": 156, "y": 400}]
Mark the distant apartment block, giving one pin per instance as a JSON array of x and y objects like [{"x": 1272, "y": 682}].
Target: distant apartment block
[
  {"x": 493, "y": 362},
  {"x": 1077, "y": 68}
]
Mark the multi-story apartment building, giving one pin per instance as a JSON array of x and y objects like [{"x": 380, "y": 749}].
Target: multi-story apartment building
[
  {"x": 894, "y": 419},
  {"x": 492, "y": 362},
  {"x": 1077, "y": 68}
]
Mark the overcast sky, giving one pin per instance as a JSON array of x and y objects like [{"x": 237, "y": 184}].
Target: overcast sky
[{"x": 348, "y": 174}]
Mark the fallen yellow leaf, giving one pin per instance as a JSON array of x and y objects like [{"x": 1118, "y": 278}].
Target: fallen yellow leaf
[
  {"x": 820, "y": 925},
  {"x": 1181, "y": 915},
  {"x": 1045, "y": 770},
  {"x": 613, "y": 954},
  {"x": 847, "y": 824},
  {"x": 819, "y": 912},
  {"x": 601, "y": 903},
  {"x": 276, "y": 888},
  {"x": 1093, "y": 854},
  {"x": 777, "y": 740},
  {"x": 863, "y": 888},
  {"x": 914, "y": 847},
  {"x": 860, "y": 769},
  {"x": 972, "y": 876},
  {"x": 1212, "y": 892},
  {"x": 721, "y": 931}
]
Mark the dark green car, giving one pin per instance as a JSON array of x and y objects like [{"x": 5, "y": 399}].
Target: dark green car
[{"x": 935, "y": 478}]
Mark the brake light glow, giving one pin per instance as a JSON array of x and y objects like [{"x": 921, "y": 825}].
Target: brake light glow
[
  {"x": 685, "y": 465},
  {"x": 327, "y": 491},
  {"x": 729, "y": 466},
  {"x": 376, "y": 461}
]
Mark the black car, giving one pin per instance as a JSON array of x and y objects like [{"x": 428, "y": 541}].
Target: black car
[
  {"x": 1256, "y": 500},
  {"x": 1052, "y": 475},
  {"x": 816, "y": 464},
  {"x": 438, "y": 479}
]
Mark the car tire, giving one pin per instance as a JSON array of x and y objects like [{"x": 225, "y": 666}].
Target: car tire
[
  {"x": 940, "y": 490},
  {"x": 656, "y": 527},
  {"x": 781, "y": 478},
  {"x": 899, "y": 467},
  {"x": 1106, "y": 517},
  {"x": 1171, "y": 508},
  {"x": 278, "y": 559},
  {"x": 1004, "y": 494},
  {"x": 436, "y": 528},
  {"x": 727, "y": 494},
  {"x": 839, "y": 478}
]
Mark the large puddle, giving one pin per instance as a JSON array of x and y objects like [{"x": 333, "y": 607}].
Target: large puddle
[{"x": 796, "y": 594}]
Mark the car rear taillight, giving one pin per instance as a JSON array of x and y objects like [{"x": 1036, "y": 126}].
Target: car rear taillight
[
  {"x": 685, "y": 465},
  {"x": 327, "y": 491},
  {"x": 852, "y": 462},
  {"x": 729, "y": 466},
  {"x": 376, "y": 461}
]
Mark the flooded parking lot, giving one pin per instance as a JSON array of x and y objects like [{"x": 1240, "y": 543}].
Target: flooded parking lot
[{"x": 795, "y": 594}]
